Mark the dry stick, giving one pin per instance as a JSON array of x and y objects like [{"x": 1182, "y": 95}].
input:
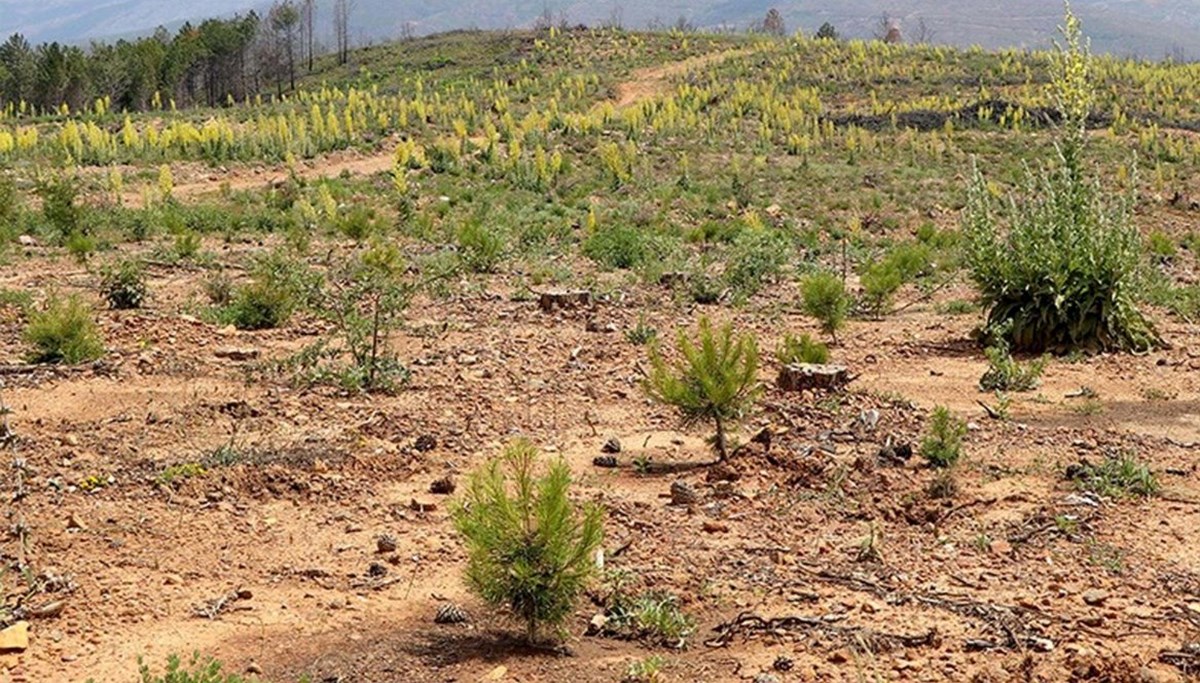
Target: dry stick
[{"x": 925, "y": 297}]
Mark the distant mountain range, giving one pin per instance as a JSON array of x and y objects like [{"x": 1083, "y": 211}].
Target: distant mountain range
[{"x": 1147, "y": 28}]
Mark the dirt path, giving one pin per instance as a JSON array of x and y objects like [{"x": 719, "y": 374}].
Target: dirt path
[{"x": 652, "y": 81}]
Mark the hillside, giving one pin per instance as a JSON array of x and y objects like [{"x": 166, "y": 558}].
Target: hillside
[
  {"x": 255, "y": 357},
  {"x": 1142, "y": 27}
]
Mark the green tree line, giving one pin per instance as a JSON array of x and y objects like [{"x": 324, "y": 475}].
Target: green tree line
[{"x": 206, "y": 64}]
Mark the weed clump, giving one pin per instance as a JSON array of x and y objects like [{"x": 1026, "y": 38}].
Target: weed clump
[
  {"x": 528, "y": 547},
  {"x": 63, "y": 332},
  {"x": 1064, "y": 274},
  {"x": 801, "y": 350},
  {"x": 124, "y": 285},
  {"x": 1005, "y": 373},
  {"x": 1119, "y": 475}
]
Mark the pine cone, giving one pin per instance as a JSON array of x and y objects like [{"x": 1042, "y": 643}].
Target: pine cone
[{"x": 450, "y": 613}]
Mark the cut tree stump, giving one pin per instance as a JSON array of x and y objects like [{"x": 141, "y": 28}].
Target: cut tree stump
[
  {"x": 550, "y": 301},
  {"x": 802, "y": 376}
]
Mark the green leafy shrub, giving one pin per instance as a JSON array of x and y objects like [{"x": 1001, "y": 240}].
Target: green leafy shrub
[
  {"x": 824, "y": 297},
  {"x": 259, "y": 305},
  {"x": 480, "y": 249},
  {"x": 942, "y": 444},
  {"x": 1066, "y": 270},
  {"x": 714, "y": 380},
  {"x": 63, "y": 332},
  {"x": 801, "y": 350},
  {"x": 1119, "y": 476},
  {"x": 1005, "y": 373},
  {"x": 618, "y": 247},
  {"x": 124, "y": 285},
  {"x": 528, "y": 547}
]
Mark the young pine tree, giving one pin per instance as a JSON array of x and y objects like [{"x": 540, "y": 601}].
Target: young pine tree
[
  {"x": 528, "y": 547},
  {"x": 714, "y": 380}
]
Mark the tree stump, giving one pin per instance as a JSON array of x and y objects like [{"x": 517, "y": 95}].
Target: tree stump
[
  {"x": 803, "y": 376},
  {"x": 550, "y": 301}
]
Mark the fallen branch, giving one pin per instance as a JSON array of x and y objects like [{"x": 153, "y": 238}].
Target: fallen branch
[{"x": 856, "y": 636}]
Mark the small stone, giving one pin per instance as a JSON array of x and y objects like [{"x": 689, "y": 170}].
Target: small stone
[
  {"x": 15, "y": 638},
  {"x": 1149, "y": 675},
  {"x": 1095, "y": 597},
  {"x": 597, "y": 624},
  {"x": 712, "y": 527},
  {"x": 376, "y": 570},
  {"x": 607, "y": 461},
  {"x": 783, "y": 663},
  {"x": 497, "y": 673},
  {"x": 236, "y": 354},
  {"x": 74, "y": 522},
  {"x": 27, "y": 241},
  {"x": 443, "y": 487},
  {"x": 254, "y": 669},
  {"x": 385, "y": 543},
  {"x": 766, "y": 678},
  {"x": 838, "y": 657},
  {"x": 418, "y": 506},
  {"x": 612, "y": 445},
  {"x": 425, "y": 443}
]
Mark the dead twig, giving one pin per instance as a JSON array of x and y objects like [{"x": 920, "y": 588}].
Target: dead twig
[{"x": 856, "y": 636}]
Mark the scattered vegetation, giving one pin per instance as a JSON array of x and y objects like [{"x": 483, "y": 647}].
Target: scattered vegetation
[{"x": 1119, "y": 475}]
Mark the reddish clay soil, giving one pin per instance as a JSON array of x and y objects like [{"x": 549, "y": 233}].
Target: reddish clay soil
[{"x": 271, "y": 563}]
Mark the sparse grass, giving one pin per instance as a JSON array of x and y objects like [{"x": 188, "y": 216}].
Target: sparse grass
[
  {"x": 648, "y": 670},
  {"x": 197, "y": 671},
  {"x": 641, "y": 333},
  {"x": 180, "y": 472}
]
